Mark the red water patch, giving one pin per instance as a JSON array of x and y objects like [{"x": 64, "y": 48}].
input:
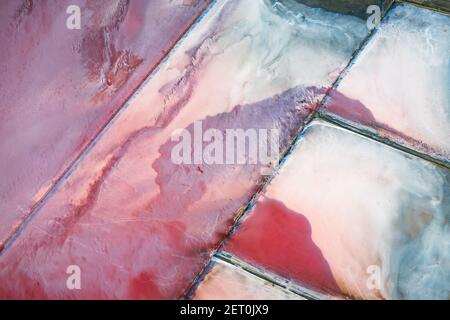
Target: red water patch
[
  {"x": 279, "y": 239},
  {"x": 144, "y": 287}
]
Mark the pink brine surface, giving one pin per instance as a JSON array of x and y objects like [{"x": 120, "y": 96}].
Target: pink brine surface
[
  {"x": 140, "y": 225},
  {"x": 59, "y": 87}
]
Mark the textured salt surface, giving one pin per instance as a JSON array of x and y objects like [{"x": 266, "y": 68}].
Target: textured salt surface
[
  {"x": 399, "y": 85},
  {"x": 361, "y": 208}
]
